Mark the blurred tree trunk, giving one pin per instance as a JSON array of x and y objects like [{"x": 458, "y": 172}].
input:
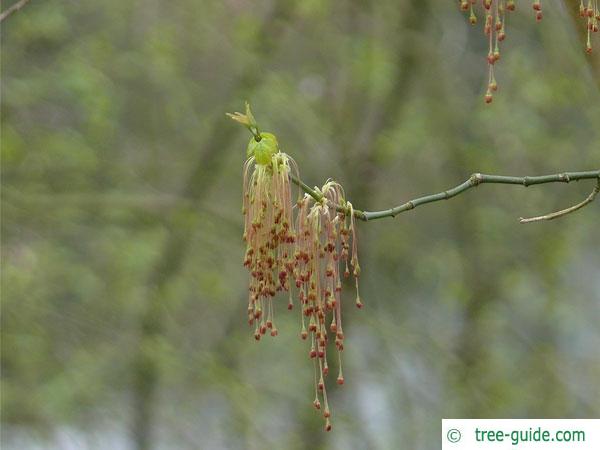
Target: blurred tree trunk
[
  {"x": 480, "y": 288},
  {"x": 181, "y": 230},
  {"x": 359, "y": 157}
]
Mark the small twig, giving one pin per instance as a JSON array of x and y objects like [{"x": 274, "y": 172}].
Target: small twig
[
  {"x": 13, "y": 9},
  {"x": 566, "y": 211}
]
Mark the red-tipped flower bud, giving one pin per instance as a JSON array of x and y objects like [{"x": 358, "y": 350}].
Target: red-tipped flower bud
[{"x": 488, "y": 96}]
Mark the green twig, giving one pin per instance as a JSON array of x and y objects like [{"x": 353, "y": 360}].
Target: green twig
[{"x": 474, "y": 180}]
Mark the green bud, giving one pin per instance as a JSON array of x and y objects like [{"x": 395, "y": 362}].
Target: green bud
[{"x": 264, "y": 149}]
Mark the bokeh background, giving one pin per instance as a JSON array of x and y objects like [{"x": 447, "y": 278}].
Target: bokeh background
[{"x": 123, "y": 291}]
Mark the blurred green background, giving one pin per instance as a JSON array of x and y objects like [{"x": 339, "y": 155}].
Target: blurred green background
[{"x": 123, "y": 291}]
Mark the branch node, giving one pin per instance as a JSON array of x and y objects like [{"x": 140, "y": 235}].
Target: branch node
[{"x": 476, "y": 179}]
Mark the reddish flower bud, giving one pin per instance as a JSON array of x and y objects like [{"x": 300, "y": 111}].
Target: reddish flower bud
[{"x": 488, "y": 96}]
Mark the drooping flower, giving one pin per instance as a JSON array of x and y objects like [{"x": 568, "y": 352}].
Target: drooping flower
[
  {"x": 495, "y": 31},
  {"x": 314, "y": 252},
  {"x": 322, "y": 251},
  {"x": 494, "y": 28},
  {"x": 268, "y": 229},
  {"x": 591, "y": 14}
]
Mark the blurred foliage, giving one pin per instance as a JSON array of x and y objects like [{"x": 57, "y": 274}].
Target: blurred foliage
[{"x": 123, "y": 295}]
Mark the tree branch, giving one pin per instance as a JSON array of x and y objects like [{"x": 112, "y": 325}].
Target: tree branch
[
  {"x": 474, "y": 180},
  {"x": 564, "y": 212},
  {"x": 14, "y": 8}
]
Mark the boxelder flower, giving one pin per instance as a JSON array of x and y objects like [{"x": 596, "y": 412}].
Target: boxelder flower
[
  {"x": 269, "y": 235},
  {"x": 322, "y": 246},
  {"x": 591, "y": 14},
  {"x": 268, "y": 224},
  {"x": 315, "y": 259},
  {"x": 495, "y": 31},
  {"x": 494, "y": 28}
]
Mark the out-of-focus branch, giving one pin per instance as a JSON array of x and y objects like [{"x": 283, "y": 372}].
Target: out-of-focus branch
[
  {"x": 475, "y": 180},
  {"x": 13, "y": 9}
]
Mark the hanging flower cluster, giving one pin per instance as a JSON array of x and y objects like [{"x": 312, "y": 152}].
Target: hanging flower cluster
[
  {"x": 269, "y": 235},
  {"x": 495, "y": 30},
  {"x": 313, "y": 252},
  {"x": 591, "y": 14},
  {"x": 322, "y": 250}
]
